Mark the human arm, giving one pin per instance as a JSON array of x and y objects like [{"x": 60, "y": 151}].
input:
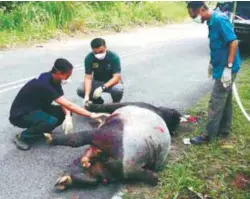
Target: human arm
[
  {"x": 66, "y": 104},
  {"x": 228, "y": 35},
  {"x": 233, "y": 45},
  {"x": 88, "y": 76},
  {"x": 116, "y": 70},
  {"x": 66, "y": 111},
  {"x": 113, "y": 81},
  {"x": 87, "y": 87}
]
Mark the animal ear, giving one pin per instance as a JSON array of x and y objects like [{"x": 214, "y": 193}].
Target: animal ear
[
  {"x": 170, "y": 112},
  {"x": 171, "y": 118}
]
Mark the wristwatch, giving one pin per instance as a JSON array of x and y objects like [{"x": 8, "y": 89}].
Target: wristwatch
[
  {"x": 103, "y": 88},
  {"x": 230, "y": 65}
]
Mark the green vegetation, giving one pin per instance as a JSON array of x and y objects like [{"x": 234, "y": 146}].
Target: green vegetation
[
  {"x": 28, "y": 21},
  {"x": 219, "y": 170}
]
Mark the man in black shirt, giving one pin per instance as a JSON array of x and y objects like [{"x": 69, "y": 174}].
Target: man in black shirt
[{"x": 32, "y": 108}]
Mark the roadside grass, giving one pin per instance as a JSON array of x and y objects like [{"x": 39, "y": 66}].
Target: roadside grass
[
  {"x": 40, "y": 21},
  {"x": 220, "y": 170}
]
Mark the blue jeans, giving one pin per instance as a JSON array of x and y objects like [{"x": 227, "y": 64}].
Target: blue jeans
[{"x": 39, "y": 122}]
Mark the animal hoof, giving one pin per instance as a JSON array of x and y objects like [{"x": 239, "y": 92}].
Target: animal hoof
[
  {"x": 86, "y": 164},
  {"x": 48, "y": 137},
  {"x": 154, "y": 180},
  {"x": 63, "y": 182}
]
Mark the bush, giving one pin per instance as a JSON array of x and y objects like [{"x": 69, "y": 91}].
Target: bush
[{"x": 25, "y": 21}]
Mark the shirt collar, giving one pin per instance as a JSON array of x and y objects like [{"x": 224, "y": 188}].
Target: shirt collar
[
  {"x": 211, "y": 20},
  {"x": 51, "y": 80}
]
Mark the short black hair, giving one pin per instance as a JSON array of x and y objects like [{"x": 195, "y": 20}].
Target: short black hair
[
  {"x": 62, "y": 65},
  {"x": 195, "y": 5},
  {"x": 97, "y": 43}
]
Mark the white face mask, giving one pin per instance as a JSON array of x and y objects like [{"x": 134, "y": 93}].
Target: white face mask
[
  {"x": 65, "y": 81},
  {"x": 198, "y": 19},
  {"x": 101, "y": 56}
]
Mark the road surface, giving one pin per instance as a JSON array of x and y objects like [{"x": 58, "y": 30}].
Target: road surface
[{"x": 164, "y": 66}]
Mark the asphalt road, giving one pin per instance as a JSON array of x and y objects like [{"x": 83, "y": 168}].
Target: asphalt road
[{"x": 164, "y": 66}]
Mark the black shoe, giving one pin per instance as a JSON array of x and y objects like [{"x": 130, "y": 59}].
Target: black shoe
[
  {"x": 98, "y": 101},
  {"x": 20, "y": 144},
  {"x": 200, "y": 139}
]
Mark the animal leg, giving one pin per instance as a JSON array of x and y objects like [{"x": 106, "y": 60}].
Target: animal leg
[
  {"x": 114, "y": 168},
  {"x": 73, "y": 140},
  {"x": 111, "y": 107},
  {"x": 75, "y": 180},
  {"x": 144, "y": 175},
  {"x": 105, "y": 108}
]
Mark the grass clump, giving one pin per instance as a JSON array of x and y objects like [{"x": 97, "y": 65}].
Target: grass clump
[{"x": 35, "y": 21}]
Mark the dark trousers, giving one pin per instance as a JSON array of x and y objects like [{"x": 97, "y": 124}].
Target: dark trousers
[
  {"x": 39, "y": 122},
  {"x": 116, "y": 91},
  {"x": 220, "y": 110}
]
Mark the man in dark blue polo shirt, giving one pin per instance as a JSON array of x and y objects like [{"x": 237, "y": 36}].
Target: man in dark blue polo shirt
[
  {"x": 102, "y": 74},
  {"x": 224, "y": 63},
  {"x": 32, "y": 108}
]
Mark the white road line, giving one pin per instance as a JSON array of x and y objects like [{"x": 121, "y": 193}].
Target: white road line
[
  {"x": 77, "y": 67},
  {"x": 28, "y": 78},
  {"x": 15, "y": 82},
  {"x": 11, "y": 88}
]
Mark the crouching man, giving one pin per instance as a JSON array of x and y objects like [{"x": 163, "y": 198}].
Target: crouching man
[
  {"x": 32, "y": 108},
  {"x": 105, "y": 67}
]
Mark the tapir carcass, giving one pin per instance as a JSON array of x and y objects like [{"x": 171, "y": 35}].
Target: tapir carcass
[{"x": 132, "y": 144}]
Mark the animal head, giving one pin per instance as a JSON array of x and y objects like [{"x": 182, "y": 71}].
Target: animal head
[{"x": 171, "y": 117}]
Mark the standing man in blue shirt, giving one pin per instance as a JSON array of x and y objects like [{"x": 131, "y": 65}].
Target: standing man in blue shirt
[
  {"x": 224, "y": 64},
  {"x": 32, "y": 108}
]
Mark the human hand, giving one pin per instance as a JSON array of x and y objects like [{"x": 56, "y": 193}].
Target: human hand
[
  {"x": 67, "y": 124},
  {"x": 100, "y": 117},
  {"x": 97, "y": 93},
  {"x": 86, "y": 101},
  {"x": 210, "y": 70},
  {"x": 226, "y": 78}
]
